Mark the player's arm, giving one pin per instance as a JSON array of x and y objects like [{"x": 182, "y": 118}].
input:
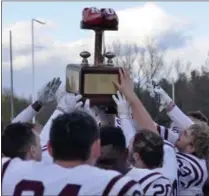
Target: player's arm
[
  {"x": 125, "y": 117},
  {"x": 165, "y": 102},
  {"x": 140, "y": 114},
  {"x": 167, "y": 134},
  {"x": 29, "y": 113},
  {"x": 45, "y": 95},
  {"x": 179, "y": 117}
]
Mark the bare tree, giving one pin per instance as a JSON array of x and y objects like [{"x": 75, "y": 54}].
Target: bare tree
[
  {"x": 143, "y": 62},
  {"x": 126, "y": 54},
  {"x": 179, "y": 67},
  {"x": 150, "y": 61}
]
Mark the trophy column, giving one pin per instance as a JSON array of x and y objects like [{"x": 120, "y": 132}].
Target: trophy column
[{"x": 98, "y": 57}]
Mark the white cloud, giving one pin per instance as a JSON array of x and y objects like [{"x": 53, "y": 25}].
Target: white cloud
[{"x": 136, "y": 24}]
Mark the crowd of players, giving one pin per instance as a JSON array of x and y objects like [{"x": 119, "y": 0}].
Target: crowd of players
[{"x": 78, "y": 153}]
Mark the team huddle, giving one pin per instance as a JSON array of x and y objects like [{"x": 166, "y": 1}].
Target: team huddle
[{"x": 78, "y": 152}]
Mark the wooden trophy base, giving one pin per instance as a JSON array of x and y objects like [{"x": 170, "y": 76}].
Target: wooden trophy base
[{"x": 94, "y": 83}]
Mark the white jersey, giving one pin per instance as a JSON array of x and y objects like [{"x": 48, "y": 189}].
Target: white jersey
[
  {"x": 170, "y": 166},
  {"x": 38, "y": 179},
  {"x": 169, "y": 134},
  {"x": 192, "y": 174},
  {"x": 152, "y": 183}
]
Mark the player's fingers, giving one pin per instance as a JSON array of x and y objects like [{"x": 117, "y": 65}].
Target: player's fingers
[
  {"x": 157, "y": 90},
  {"x": 121, "y": 74},
  {"x": 116, "y": 84},
  {"x": 60, "y": 92},
  {"x": 87, "y": 104},
  {"x": 124, "y": 98},
  {"x": 56, "y": 84},
  {"x": 59, "y": 83},
  {"x": 78, "y": 97},
  {"x": 48, "y": 85},
  {"x": 126, "y": 74},
  {"x": 119, "y": 95},
  {"x": 52, "y": 82},
  {"x": 115, "y": 99},
  {"x": 79, "y": 104}
]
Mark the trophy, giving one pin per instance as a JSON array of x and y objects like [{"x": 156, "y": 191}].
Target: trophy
[{"x": 95, "y": 81}]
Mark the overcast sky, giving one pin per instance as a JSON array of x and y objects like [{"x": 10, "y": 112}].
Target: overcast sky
[{"x": 180, "y": 28}]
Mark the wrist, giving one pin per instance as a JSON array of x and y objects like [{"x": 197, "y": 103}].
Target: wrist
[
  {"x": 170, "y": 106},
  {"x": 132, "y": 99},
  {"x": 37, "y": 105},
  {"x": 125, "y": 116},
  {"x": 60, "y": 109}
]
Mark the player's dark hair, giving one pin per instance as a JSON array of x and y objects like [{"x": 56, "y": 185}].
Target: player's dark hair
[
  {"x": 198, "y": 115},
  {"x": 114, "y": 136},
  {"x": 149, "y": 146},
  {"x": 16, "y": 139},
  {"x": 72, "y": 135}
]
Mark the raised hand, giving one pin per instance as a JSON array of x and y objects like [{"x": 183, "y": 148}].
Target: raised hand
[
  {"x": 69, "y": 103},
  {"x": 160, "y": 96},
  {"x": 151, "y": 85},
  {"x": 126, "y": 86},
  {"x": 87, "y": 108},
  {"x": 47, "y": 93},
  {"x": 123, "y": 107},
  {"x": 150, "y": 89},
  {"x": 60, "y": 93}
]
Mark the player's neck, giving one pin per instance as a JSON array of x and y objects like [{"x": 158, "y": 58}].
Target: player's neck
[
  {"x": 140, "y": 165},
  {"x": 69, "y": 164},
  {"x": 123, "y": 167}
]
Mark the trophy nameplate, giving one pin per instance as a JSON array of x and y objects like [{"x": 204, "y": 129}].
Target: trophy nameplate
[{"x": 99, "y": 84}]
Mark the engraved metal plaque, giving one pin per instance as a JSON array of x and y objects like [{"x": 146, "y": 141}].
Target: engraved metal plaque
[{"x": 99, "y": 83}]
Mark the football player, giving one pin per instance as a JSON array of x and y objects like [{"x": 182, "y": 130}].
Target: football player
[
  {"x": 145, "y": 121},
  {"x": 21, "y": 140},
  {"x": 146, "y": 155},
  {"x": 192, "y": 143},
  {"x": 74, "y": 145}
]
